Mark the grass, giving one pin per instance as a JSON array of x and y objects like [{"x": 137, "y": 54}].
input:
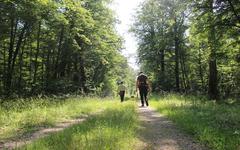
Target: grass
[
  {"x": 114, "y": 129},
  {"x": 23, "y": 116},
  {"x": 216, "y": 125}
]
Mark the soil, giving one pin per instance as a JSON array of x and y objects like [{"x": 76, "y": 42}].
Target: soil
[{"x": 159, "y": 133}]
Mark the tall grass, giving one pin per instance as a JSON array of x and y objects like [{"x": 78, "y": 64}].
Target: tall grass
[
  {"x": 114, "y": 129},
  {"x": 216, "y": 125},
  {"x": 23, "y": 116}
]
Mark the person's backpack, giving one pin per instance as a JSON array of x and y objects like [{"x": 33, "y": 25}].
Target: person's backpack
[{"x": 142, "y": 79}]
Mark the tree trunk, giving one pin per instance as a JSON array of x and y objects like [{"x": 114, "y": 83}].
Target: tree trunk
[
  {"x": 58, "y": 53},
  {"x": 81, "y": 63},
  {"x": 82, "y": 75},
  {"x": 177, "y": 46},
  {"x": 10, "y": 55},
  {"x": 36, "y": 57},
  {"x": 43, "y": 61},
  {"x": 64, "y": 58},
  {"x": 177, "y": 64},
  {"x": 184, "y": 72},
  {"x": 30, "y": 60},
  {"x": 16, "y": 52},
  {"x": 48, "y": 68},
  {"x": 20, "y": 68},
  {"x": 200, "y": 69},
  {"x": 162, "y": 60},
  {"x": 4, "y": 66},
  {"x": 18, "y": 46},
  {"x": 213, "y": 81}
]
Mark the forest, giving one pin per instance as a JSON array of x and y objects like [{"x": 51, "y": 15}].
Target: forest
[
  {"x": 51, "y": 47},
  {"x": 191, "y": 46},
  {"x": 63, "y": 70},
  {"x": 59, "y": 47}
]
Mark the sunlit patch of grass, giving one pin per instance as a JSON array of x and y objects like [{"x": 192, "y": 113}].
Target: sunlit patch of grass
[
  {"x": 216, "y": 125},
  {"x": 114, "y": 129},
  {"x": 23, "y": 116}
]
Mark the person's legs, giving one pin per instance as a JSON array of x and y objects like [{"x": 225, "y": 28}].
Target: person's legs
[
  {"x": 145, "y": 97},
  {"x": 141, "y": 92},
  {"x": 144, "y": 94},
  {"x": 122, "y": 93}
]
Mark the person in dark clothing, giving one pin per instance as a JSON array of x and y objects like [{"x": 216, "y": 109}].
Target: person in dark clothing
[{"x": 142, "y": 84}]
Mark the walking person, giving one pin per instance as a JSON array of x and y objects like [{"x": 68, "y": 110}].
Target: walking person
[
  {"x": 142, "y": 84},
  {"x": 121, "y": 91}
]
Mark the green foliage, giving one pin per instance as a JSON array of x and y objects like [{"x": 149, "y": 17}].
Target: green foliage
[
  {"x": 193, "y": 45},
  {"x": 225, "y": 43},
  {"x": 160, "y": 27},
  {"x": 58, "y": 47},
  {"x": 215, "y": 125}
]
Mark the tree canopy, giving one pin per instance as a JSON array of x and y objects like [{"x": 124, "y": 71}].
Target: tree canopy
[
  {"x": 63, "y": 46},
  {"x": 190, "y": 46},
  {"x": 59, "y": 46}
]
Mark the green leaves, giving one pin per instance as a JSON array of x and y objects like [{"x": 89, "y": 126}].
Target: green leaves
[
  {"x": 64, "y": 40},
  {"x": 201, "y": 31},
  {"x": 158, "y": 25}
]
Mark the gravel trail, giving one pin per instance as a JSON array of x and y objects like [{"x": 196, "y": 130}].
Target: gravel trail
[{"x": 158, "y": 133}]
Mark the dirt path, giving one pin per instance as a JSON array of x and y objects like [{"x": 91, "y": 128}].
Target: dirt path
[
  {"x": 42, "y": 132},
  {"x": 158, "y": 133}
]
